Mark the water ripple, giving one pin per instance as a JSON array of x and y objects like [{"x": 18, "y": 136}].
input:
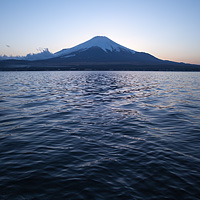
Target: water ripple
[{"x": 99, "y": 135}]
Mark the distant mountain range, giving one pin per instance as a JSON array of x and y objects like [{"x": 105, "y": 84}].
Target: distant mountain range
[{"x": 98, "y": 53}]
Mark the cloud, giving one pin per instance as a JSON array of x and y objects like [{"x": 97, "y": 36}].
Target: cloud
[
  {"x": 40, "y": 49},
  {"x": 8, "y": 46}
]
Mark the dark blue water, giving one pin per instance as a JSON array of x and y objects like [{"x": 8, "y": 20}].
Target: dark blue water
[{"x": 99, "y": 135}]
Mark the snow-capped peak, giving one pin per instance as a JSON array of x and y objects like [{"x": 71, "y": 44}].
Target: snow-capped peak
[{"x": 99, "y": 41}]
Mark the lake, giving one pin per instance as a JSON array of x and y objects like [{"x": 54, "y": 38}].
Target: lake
[{"x": 99, "y": 135}]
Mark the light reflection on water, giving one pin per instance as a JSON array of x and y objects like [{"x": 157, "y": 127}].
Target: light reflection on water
[{"x": 91, "y": 135}]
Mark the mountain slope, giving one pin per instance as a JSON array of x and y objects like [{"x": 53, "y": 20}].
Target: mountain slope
[
  {"x": 98, "y": 53},
  {"x": 99, "y": 41},
  {"x": 101, "y": 49}
]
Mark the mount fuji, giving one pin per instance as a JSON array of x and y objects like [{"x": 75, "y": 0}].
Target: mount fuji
[
  {"x": 98, "y": 53},
  {"x": 101, "y": 42},
  {"x": 101, "y": 49}
]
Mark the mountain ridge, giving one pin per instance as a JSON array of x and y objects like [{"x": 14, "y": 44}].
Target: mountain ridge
[
  {"x": 98, "y": 53},
  {"x": 97, "y": 41}
]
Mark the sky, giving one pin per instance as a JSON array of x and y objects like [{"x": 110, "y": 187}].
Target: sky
[{"x": 167, "y": 29}]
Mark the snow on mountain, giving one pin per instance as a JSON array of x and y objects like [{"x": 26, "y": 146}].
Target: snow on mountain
[{"x": 99, "y": 41}]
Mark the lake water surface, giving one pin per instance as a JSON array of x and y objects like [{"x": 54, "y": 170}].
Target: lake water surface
[{"x": 99, "y": 135}]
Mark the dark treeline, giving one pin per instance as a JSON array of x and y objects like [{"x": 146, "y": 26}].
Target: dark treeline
[{"x": 22, "y": 65}]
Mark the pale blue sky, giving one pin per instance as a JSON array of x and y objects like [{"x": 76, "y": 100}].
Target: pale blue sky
[{"x": 167, "y": 29}]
